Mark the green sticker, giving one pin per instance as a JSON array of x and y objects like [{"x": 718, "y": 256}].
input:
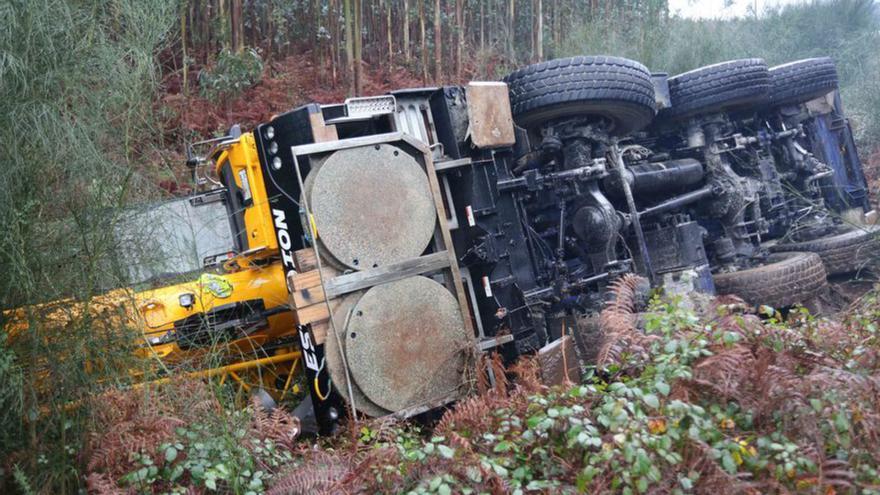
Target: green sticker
[{"x": 216, "y": 285}]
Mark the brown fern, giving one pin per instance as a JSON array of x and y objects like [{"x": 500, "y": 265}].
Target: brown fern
[
  {"x": 322, "y": 473},
  {"x": 618, "y": 323},
  {"x": 279, "y": 426},
  {"x": 725, "y": 371},
  {"x": 497, "y": 382},
  {"x": 469, "y": 415},
  {"x": 103, "y": 484},
  {"x": 528, "y": 375}
]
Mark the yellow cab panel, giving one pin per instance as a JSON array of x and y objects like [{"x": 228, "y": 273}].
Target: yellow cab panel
[
  {"x": 248, "y": 306},
  {"x": 238, "y": 167}
]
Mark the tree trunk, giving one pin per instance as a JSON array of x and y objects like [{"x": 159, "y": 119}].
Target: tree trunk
[
  {"x": 555, "y": 26},
  {"x": 406, "y": 31},
  {"x": 482, "y": 26},
  {"x": 333, "y": 19},
  {"x": 236, "y": 26},
  {"x": 539, "y": 30},
  {"x": 185, "y": 85},
  {"x": 221, "y": 13},
  {"x": 423, "y": 39},
  {"x": 438, "y": 42},
  {"x": 511, "y": 30},
  {"x": 206, "y": 31},
  {"x": 348, "y": 17},
  {"x": 459, "y": 26},
  {"x": 358, "y": 50},
  {"x": 388, "y": 33},
  {"x": 270, "y": 32}
]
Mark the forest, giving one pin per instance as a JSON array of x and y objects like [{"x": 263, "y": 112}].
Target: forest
[{"x": 98, "y": 100}]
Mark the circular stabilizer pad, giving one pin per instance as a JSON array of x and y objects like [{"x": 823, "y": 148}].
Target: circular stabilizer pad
[
  {"x": 372, "y": 206},
  {"x": 334, "y": 361},
  {"x": 404, "y": 343},
  {"x": 308, "y": 183}
]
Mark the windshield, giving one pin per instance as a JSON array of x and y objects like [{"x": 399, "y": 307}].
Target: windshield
[{"x": 177, "y": 237}]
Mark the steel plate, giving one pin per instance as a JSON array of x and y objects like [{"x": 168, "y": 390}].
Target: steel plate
[
  {"x": 406, "y": 343},
  {"x": 372, "y": 206},
  {"x": 336, "y": 367}
]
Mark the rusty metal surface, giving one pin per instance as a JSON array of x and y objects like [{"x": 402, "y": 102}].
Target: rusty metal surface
[
  {"x": 335, "y": 363},
  {"x": 372, "y": 206},
  {"x": 491, "y": 121},
  {"x": 559, "y": 363},
  {"x": 406, "y": 343}
]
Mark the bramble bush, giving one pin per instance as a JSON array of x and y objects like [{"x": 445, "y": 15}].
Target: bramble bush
[{"x": 717, "y": 404}]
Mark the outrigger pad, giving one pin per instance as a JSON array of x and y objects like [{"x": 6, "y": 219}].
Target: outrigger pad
[
  {"x": 372, "y": 206},
  {"x": 406, "y": 345}
]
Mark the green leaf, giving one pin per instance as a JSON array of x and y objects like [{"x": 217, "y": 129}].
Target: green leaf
[
  {"x": 841, "y": 424},
  {"x": 170, "y": 454},
  {"x": 445, "y": 451},
  {"x": 444, "y": 489},
  {"x": 728, "y": 462},
  {"x": 533, "y": 421},
  {"x": 211, "y": 483},
  {"x": 651, "y": 400},
  {"x": 662, "y": 387},
  {"x": 503, "y": 446}
]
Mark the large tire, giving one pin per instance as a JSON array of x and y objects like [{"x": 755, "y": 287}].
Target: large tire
[
  {"x": 803, "y": 80},
  {"x": 786, "y": 279},
  {"x": 617, "y": 89},
  {"x": 733, "y": 85},
  {"x": 842, "y": 253}
]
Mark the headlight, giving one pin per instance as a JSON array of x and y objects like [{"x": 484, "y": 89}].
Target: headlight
[{"x": 187, "y": 300}]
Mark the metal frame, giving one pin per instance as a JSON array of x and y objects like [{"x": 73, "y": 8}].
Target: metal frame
[{"x": 443, "y": 259}]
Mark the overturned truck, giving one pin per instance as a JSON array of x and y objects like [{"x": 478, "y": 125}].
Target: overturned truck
[
  {"x": 380, "y": 245},
  {"x": 423, "y": 227}
]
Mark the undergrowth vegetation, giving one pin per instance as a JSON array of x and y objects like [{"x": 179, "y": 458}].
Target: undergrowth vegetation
[
  {"x": 77, "y": 81},
  {"x": 231, "y": 74},
  {"x": 721, "y": 402}
]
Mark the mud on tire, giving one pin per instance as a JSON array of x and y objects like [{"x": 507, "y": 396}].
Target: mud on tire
[
  {"x": 786, "y": 279},
  {"x": 618, "y": 89},
  {"x": 802, "y": 80},
  {"x": 732, "y": 85},
  {"x": 842, "y": 253}
]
